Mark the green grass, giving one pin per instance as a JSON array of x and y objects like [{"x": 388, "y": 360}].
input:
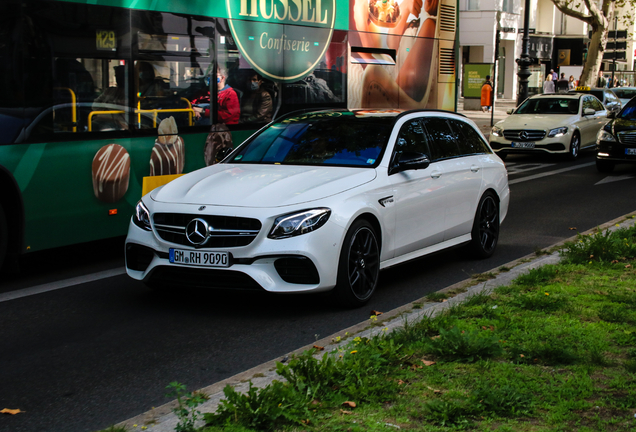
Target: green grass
[{"x": 554, "y": 351}]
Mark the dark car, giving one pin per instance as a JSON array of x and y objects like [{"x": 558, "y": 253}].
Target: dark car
[
  {"x": 616, "y": 141},
  {"x": 610, "y": 100}
]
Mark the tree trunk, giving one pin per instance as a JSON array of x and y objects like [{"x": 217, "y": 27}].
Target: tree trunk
[{"x": 594, "y": 56}]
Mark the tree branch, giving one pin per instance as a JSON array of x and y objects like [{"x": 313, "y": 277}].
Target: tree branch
[{"x": 563, "y": 6}]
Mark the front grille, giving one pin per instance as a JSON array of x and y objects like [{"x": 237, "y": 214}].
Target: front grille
[
  {"x": 299, "y": 270},
  {"x": 531, "y": 135},
  {"x": 627, "y": 137},
  {"x": 225, "y": 231},
  {"x": 177, "y": 277}
]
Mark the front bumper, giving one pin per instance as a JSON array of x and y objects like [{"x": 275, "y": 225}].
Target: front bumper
[
  {"x": 616, "y": 151},
  {"x": 546, "y": 145},
  {"x": 305, "y": 263}
]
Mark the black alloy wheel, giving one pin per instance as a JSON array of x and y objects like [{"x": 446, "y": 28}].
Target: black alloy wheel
[
  {"x": 575, "y": 146},
  {"x": 359, "y": 265},
  {"x": 485, "y": 233}
]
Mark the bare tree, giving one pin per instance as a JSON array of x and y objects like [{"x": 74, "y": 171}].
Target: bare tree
[{"x": 598, "y": 15}]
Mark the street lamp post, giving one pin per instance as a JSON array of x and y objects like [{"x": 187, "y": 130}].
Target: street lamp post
[
  {"x": 525, "y": 61},
  {"x": 614, "y": 60}
]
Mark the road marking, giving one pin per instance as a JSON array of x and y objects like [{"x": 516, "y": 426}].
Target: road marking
[
  {"x": 549, "y": 173},
  {"x": 13, "y": 295},
  {"x": 611, "y": 179},
  {"x": 515, "y": 168}
]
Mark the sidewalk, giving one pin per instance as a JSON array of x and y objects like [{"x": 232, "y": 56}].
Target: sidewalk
[{"x": 483, "y": 119}]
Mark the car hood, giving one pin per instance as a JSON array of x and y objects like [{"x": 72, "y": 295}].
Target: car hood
[
  {"x": 245, "y": 185},
  {"x": 536, "y": 121},
  {"x": 622, "y": 125}
]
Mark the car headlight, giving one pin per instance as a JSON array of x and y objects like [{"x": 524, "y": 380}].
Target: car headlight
[
  {"x": 604, "y": 135},
  {"x": 555, "y": 133},
  {"x": 295, "y": 224},
  {"x": 497, "y": 131},
  {"x": 141, "y": 218}
]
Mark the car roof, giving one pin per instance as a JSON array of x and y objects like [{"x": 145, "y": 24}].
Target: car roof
[
  {"x": 365, "y": 112},
  {"x": 557, "y": 95}
]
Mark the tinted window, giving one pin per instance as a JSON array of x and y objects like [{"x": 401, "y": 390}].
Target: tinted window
[
  {"x": 443, "y": 141},
  {"x": 587, "y": 103},
  {"x": 319, "y": 139},
  {"x": 470, "y": 142},
  {"x": 412, "y": 139}
]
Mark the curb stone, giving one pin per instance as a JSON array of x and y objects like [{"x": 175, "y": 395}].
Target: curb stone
[{"x": 162, "y": 419}]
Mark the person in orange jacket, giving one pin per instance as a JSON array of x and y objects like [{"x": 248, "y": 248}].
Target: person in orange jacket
[{"x": 486, "y": 95}]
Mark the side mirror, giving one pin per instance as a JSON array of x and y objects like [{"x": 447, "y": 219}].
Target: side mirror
[
  {"x": 589, "y": 111},
  {"x": 222, "y": 153},
  {"x": 510, "y": 111},
  {"x": 411, "y": 161},
  {"x": 611, "y": 114}
]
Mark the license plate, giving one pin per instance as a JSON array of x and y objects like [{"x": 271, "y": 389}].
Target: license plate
[
  {"x": 630, "y": 151},
  {"x": 523, "y": 144},
  {"x": 199, "y": 258}
]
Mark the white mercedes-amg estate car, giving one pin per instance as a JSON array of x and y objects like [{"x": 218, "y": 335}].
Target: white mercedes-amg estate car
[{"x": 323, "y": 200}]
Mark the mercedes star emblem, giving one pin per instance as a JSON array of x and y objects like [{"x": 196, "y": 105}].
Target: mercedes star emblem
[
  {"x": 197, "y": 231},
  {"x": 523, "y": 135}
]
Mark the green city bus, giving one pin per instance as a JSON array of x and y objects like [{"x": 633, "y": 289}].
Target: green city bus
[{"x": 102, "y": 100}]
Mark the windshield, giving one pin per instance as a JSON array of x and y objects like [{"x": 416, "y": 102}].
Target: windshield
[
  {"x": 549, "y": 106},
  {"x": 629, "y": 111},
  {"x": 625, "y": 93},
  {"x": 338, "y": 138}
]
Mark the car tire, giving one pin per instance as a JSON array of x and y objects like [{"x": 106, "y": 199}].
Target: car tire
[
  {"x": 575, "y": 147},
  {"x": 4, "y": 236},
  {"x": 604, "y": 166},
  {"x": 358, "y": 266},
  {"x": 485, "y": 233}
]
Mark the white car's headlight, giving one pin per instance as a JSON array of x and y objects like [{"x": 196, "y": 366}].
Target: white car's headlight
[
  {"x": 141, "y": 218},
  {"x": 555, "y": 133},
  {"x": 295, "y": 224},
  {"x": 497, "y": 131},
  {"x": 604, "y": 135}
]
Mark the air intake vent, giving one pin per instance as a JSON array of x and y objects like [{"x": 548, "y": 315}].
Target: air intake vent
[
  {"x": 447, "y": 18},
  {"x": 446, "y": 61}
]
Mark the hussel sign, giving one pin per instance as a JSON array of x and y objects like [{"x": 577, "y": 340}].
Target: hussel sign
[{"x": 282, "y": 39}]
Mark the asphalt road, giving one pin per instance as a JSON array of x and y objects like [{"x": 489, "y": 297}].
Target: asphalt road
[{"x": 91, "y": 355}]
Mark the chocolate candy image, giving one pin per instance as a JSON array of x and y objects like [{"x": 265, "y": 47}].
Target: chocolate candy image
[
  {"x": 167, "y": 158},
  {"x": 111, "y": 173}
]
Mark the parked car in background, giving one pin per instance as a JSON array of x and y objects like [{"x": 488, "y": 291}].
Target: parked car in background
[
  {"x": 624, "y": 94},
  {"x": 607, "y": 97},
  {"x": 616, "y": 141},
  {"x": 322, "y": 200},
  {"x": 550, "y": 124}
]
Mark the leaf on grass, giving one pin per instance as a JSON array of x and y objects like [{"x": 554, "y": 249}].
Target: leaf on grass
[
  {"x": 400, "y": 382},
  {"x": 444, "y": 300},
  {"x": 614, "y": 261},
  {"x": 377, "y": 313},
  {"x": 434, "y": 391},
  {"x": 628, "y": 266},
  {"x": 415, "y": 367},
  {"x": 315, "y": 402},
  {"x": 436, "y": 337},
  {"x": 428, "y": 363},
  {"x": 319, "y": 348},
  {"x": 345, "y": 412},
  {"x": 10, "y": 411},
  {"x": 349, "y": 404}
]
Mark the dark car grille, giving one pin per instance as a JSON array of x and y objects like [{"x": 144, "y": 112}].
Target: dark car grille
[
  {"x": 225, "y": 231},
  {"x": 627, "y": 137},
  {"x": 201, "y": 278},
  {"x": 530, "y": 135}
]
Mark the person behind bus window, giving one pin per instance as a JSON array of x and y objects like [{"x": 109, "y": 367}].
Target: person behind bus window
[
  {"x": 257, "y": 105},
  {"x": 148, "y": 84},
  {"x": 228, "y": 102}
]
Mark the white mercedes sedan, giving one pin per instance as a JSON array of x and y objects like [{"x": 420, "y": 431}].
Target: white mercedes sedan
[
  {"x": 550, "y": 124},
  {"x": 323, "y": 200}
]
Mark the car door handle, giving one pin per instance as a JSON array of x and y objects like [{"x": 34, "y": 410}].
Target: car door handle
[
  {"x": 474, "y": 168},
  {"x": 436, "y": 174}
]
